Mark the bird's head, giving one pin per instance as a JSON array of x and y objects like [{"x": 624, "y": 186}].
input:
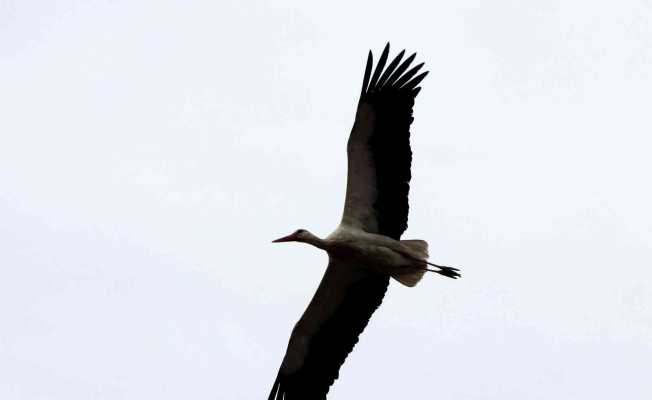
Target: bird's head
[{"x": 300, "y": 235}]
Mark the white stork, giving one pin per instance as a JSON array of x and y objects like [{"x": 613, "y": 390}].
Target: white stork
[{"x": 365, "y": 250}]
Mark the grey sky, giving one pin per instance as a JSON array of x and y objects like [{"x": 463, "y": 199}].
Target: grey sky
[{"x": 149, "y": 152}]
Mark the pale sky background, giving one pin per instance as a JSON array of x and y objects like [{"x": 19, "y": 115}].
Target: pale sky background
[{"x": 150, "y": 150}]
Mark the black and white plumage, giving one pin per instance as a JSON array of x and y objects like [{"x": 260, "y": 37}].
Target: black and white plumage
[{"x": 365, "y": 250}]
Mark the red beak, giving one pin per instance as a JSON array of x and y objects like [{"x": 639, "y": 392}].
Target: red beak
[{"x": 288, "y": 238}]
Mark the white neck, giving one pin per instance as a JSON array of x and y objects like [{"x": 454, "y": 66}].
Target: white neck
[{"x": 315, "y": 241}]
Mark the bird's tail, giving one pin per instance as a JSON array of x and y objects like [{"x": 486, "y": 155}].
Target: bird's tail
[
  {"x": 409, "y": 276},
  {"x": 418, "y": 247},
  {"x": 413, "y": 274}
]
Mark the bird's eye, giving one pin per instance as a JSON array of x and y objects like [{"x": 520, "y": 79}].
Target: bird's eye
[{"x": 301, "y": 231}]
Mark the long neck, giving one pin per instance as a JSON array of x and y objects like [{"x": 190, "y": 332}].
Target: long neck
[{"x": 317, "y": 242}]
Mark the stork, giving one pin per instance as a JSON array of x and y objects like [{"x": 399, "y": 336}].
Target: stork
[{"x": 365, "y": 250}]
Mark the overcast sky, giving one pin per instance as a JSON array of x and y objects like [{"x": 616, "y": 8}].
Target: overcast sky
[{"x": 150, "y": 150}]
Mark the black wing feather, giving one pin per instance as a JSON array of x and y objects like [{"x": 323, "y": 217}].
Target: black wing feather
[
  {"x": 407, "y": 76},
  {"x": 367, "y": 71},
  {"x": 404, "y": 65},
  {"x": 392, "y": 161},
  {"x": 380, "y": 66},
  {"x": 414, "y": 82},
  {"x": 390, "y": 68}
]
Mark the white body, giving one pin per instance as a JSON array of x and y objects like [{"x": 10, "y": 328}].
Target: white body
[{"x": 377, "y": 253}]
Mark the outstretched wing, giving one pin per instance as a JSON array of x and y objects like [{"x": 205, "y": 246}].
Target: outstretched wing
[
  {"x": 326, "y": 333},
  {"x": 379, "y": 154}
]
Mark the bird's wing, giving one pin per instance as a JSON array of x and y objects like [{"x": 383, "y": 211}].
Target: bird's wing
[
  {"x": 379, "y": 154},
  {"x": 326, "y": 333}
]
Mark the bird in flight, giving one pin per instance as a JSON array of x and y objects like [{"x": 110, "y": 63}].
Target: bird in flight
[{"x": 365, "y": 250}]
